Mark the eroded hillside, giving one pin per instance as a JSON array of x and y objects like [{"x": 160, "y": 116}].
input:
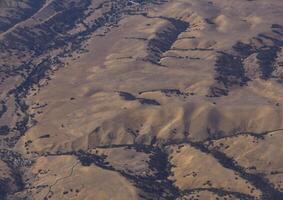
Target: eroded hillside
[{"x": 141, "y": 99}]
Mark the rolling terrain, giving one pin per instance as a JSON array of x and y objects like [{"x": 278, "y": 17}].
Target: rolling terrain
[{"x": 141, "y": 100}]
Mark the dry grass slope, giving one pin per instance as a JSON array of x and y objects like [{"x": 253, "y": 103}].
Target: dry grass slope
[{"x": 141, "y": 100}]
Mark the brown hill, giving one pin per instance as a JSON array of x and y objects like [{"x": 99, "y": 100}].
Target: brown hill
[{"x": 135, "y": 99}]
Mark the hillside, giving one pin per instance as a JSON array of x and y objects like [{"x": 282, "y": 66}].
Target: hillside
[{"x": 141, "y": 99}]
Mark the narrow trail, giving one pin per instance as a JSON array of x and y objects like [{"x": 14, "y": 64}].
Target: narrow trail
[
  {"x": 60, "y": 179},
  {"x": 47, "y": 2},
  {"x": 257, "y": 180}
]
